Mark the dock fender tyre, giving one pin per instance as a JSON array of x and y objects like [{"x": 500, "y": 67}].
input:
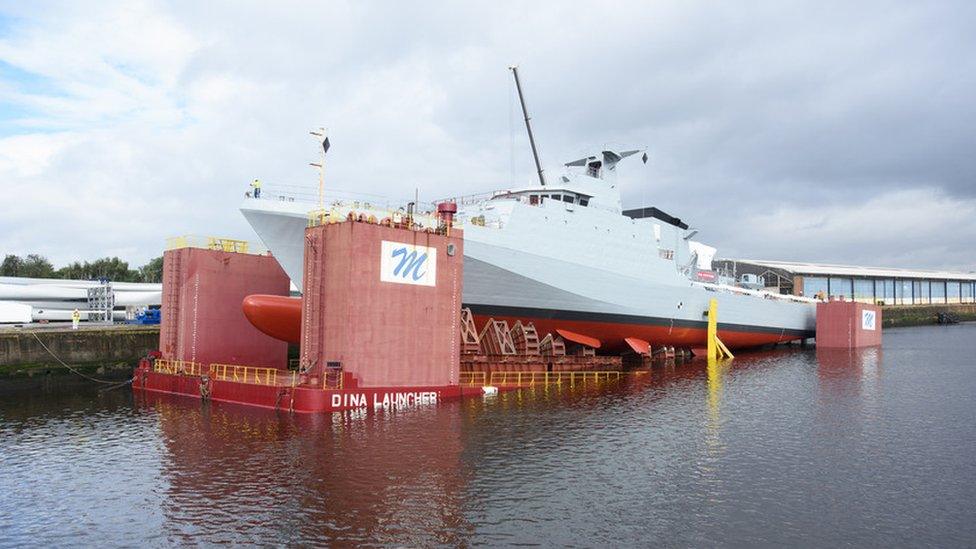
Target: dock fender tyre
[{"x": 205, "y": 388}]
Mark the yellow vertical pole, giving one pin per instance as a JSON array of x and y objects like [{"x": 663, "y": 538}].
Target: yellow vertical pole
[{"x": 712, "y": 328}]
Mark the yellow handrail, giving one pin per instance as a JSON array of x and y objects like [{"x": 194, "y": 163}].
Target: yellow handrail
[
  {"x": 473, "y": 378},
  {"x": 227, "y": 244},
  {"x": 214, "y": 243},
  {"x": 321, "y": 216},
  {"x": 551, "y": 378},
  {"x": 177, "y": 367},
  {"x": 332, "y": 379},
  {"x": 247, "y": 374}
]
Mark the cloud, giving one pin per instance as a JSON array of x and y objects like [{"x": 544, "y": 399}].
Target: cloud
[
  {"x": 928, "y": 226},
  {"x": 122, "y": 123}
]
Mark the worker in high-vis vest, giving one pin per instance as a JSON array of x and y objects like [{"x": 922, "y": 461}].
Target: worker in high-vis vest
[
  {"x": 257, "y": 188},
  {"x": 75, "y": 319}
]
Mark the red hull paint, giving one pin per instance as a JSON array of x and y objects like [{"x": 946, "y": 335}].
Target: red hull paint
[
  {"x": 300, "y": 399},
  {"x": 612, "y": 334},
  {"x": 205, "y": 288},
  {"x": 277, "y": 316},
  {"x": 282, "y": 315},
  {"x": 382, "y": 333}
]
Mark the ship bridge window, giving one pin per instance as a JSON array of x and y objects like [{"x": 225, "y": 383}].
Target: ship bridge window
[
  {"x": 583, "y": 201},
  {"x": 533, "y": 199},
  {"x": 568, "y": 198},
  {"x": 557, "y": 197}
]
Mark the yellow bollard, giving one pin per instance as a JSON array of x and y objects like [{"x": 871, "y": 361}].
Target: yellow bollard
[
  {"x": 712, "y": 353},
  {"x": 716, "y": 349}
]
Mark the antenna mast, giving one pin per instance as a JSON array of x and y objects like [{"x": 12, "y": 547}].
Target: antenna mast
[
  {"x": 321, "y": 137},
  {"x": 528, "y": 126}
]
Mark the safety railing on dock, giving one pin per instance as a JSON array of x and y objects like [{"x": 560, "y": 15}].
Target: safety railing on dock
[
  {"x": 550, "y": 378},
  {"x": 474, "y": 379},
  {"x": 332, "y": 379},
  {"x": 366, "y": 213},
  {"x": 252, "y": 374},
  {"x": 177, "y": 367},
  {"x": 214, "y": 243}
]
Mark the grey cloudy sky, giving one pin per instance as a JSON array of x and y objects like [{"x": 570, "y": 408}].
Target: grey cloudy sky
[{"x": 820, "y": 131}]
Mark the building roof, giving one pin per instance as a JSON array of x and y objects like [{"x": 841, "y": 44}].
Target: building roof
[{"x": 824, "y": 269}]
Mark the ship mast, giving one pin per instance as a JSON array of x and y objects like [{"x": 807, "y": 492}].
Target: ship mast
[
  {"x": 528, "y": 126},
  {"x": 323, "y": 140}
]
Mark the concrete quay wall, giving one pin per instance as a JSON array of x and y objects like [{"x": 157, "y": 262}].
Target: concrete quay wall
[
  {"x": 89, "y": 348},
  {"x": 918, "y": 315}
]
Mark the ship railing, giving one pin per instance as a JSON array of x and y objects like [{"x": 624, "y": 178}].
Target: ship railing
[
  {"x": 332, "y": 379},
  {"x": 254, "y": 375},
  {"x": 478, "y": 221},
  {"x": 476, "y": 198},
  {"x": 305, "y": 194},
  {"x": 529, "y": 379},
  {"x": 758, "y": 293},
  {"x": 337, "y": 206},
  {"x": 370, "y": 214},
  {"x": 473, "y": 379},
  {"x": 177, "y": 367},
  {"x": 215, "y": 243}
]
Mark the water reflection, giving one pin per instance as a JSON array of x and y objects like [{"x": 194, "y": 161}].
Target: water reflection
[
  {"x": 777, "y": 448},
  {"x": 716, "y": 370},
  {"x": 234, "y": 473},
  {"x": 844, "y": 370},
  {"x": 850, "y": 401}
]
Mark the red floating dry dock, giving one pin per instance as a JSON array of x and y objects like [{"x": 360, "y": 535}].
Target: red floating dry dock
[
  {"x": 380, "y": 314},
  {"x": 848, "y": 325},
  {"x": 202, "y": 320},
  {"x": 380, "y": 323}
]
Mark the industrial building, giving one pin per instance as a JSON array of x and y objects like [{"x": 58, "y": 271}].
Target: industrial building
[{"x": 865, "y": 284}]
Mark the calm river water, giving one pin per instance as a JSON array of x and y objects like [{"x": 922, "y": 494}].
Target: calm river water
[{"x": 875, "y": 448}]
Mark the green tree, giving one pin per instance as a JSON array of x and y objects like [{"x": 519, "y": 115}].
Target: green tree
[
  {"x": 12, "y": 265},
  {"x": 37, "y": 266},
  {"x": 34, "y": 266},
  {"x": 110, "y": 268},
  {"x": 152, "y": 271},
  {"x": 113, "y": 269},
  {"x": 72, "y": 270}
]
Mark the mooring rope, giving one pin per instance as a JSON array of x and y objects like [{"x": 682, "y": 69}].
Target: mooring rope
[
  {"x": 113, "y": 387},
  {"x": 74, "y": 370}
]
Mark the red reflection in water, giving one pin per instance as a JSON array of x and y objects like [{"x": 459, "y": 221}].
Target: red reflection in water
[
  {"x": 321, "y": 478},
  {"x": 848, "y": 364}
]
